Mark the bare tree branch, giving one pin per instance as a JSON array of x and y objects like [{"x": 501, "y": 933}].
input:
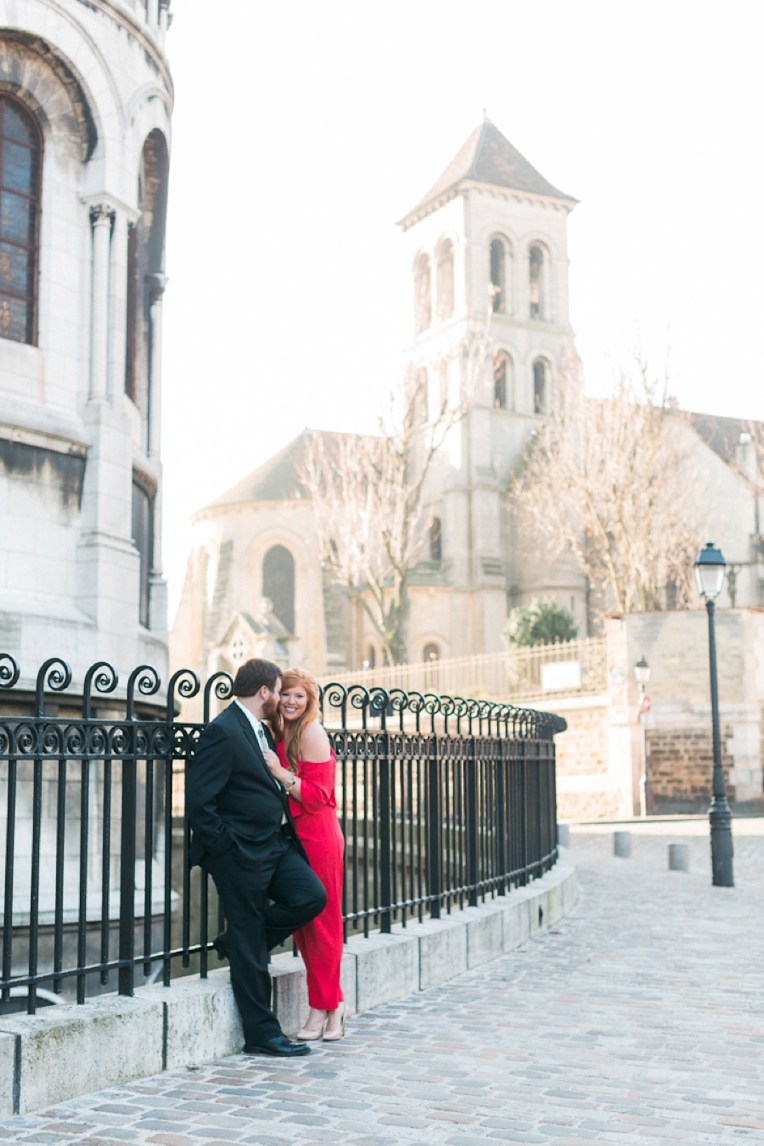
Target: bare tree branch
[
  {"x": 369, "y": 513},
  {"x": 609, "y": 479}
]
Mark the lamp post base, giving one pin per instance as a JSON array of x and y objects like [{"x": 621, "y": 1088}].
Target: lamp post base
[{"x": 720, "y": 819}]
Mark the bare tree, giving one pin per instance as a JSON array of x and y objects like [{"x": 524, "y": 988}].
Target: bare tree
[
  {"x": 610, "y": 480},
  {"x": 368, "y": 505}
]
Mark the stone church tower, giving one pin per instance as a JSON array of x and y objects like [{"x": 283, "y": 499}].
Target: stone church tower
[
  {"x": 85, "y": 103},
  {"x": 488, "y": 255},
  {"x": 487, "y": 250}
]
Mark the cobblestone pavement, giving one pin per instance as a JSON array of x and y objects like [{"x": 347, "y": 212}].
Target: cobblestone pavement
[{"x": 639, "y": 1018}]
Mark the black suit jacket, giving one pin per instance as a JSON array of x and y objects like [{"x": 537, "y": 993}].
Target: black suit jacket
[{"x": 232, "y": 799}]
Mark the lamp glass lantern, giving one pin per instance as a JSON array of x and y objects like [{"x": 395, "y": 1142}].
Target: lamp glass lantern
[
  {"x": 642, "y": 671},
  {"x": 709, "y": 571}
]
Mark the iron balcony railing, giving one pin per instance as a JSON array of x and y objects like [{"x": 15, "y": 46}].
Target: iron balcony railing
[{"x": 443, "y": 801}]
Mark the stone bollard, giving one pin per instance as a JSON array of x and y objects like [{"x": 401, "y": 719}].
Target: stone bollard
[
  {"x": 622, "y": 844},
  {"x": 679, "y": 857},
  {"x": 563, "y": 835}
]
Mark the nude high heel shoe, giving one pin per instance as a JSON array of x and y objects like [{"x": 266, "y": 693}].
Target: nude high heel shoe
[
  {"x": 335, "y": 1036},
  {"x": 309, "y": 1035}
]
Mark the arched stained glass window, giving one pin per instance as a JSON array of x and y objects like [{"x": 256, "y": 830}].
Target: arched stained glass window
[
  {"x": 20, "y": 155},
  {"x": 145, "y": 260},
  {"x": 278, "y": 584}
]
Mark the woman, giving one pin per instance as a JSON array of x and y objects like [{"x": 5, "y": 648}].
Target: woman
[{"x": 304, "y": 763}]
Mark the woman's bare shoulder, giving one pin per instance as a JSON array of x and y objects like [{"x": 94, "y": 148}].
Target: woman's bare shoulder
[{"x": 315, "y": 748}]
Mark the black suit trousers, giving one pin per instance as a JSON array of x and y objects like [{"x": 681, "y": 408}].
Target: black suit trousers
[{"x": 256, "y": 926}]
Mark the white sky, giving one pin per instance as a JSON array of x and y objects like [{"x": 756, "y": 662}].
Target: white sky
[{"x": 303, "y": 130}]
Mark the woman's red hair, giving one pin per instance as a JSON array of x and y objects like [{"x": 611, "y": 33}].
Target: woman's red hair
[{"x": 292, "y": 732}]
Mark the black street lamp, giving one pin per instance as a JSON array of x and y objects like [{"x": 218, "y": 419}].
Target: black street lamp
[{"x": 709, "y": 574}]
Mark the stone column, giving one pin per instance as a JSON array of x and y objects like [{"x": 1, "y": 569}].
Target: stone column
[
  {"x": 155, "y": 285},
  {"x": 101, "y": 217},
  {"x": 164, "y": 17}
]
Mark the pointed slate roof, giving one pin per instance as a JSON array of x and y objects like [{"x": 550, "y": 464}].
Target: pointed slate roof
[
  {"x": 486, "y": 157},
  {"x": 277, "y": 478}
]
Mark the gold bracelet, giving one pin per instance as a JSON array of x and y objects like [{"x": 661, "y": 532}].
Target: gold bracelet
[{"x": 289, "y": 784}]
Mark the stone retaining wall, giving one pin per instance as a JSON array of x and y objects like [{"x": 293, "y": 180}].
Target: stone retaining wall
[{"x": 68, "y": 1050}]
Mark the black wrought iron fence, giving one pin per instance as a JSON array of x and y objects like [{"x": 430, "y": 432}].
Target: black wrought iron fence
[{"x": 443, "y": 800}]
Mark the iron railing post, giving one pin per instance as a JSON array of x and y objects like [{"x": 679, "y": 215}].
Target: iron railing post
[
  {"x": 434, "y": 832},
  {"x": 502, "y": 786},
  {"x": 386, "y": 858},
  {"x": 471, "y": 825},
  {"x": 127, "y": 872},
  {"x": 523, "y": 816}
]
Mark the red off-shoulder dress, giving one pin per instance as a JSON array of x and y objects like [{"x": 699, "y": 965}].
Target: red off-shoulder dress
[{"x": 315, "y": 820}]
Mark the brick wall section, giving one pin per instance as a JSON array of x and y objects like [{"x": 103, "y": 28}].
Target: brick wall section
[
  {"x": 583, "y": 748},
  {"x": 680, "y": 766}
]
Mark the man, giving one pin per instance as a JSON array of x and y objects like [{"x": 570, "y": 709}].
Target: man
[{"x": 243, "y": 835}]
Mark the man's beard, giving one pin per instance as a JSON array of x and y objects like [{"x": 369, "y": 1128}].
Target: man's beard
[{"x": 270, "y": 708}]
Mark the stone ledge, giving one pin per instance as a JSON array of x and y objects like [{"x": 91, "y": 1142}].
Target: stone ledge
[{"x": 69, "y": 1050}]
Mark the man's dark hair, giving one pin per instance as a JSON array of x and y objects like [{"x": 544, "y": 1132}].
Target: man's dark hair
[{"x": 253, "y": 675}]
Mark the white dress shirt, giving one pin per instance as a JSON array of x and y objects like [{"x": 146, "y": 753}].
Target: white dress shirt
[{"x": 259, "y": 732}]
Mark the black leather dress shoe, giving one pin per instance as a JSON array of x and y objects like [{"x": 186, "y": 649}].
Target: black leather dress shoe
[
  {"x": 281, "y": 1046},
  {"x": 221, "y": 945}
]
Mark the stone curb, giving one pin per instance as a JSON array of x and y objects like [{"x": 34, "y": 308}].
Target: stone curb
[{"x": 70, "y": 1050}]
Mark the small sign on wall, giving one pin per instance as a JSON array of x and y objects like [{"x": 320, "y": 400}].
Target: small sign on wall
[{"x": 560, "y": 676}]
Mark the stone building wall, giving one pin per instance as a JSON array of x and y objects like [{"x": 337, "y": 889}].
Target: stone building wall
[
  {"x": 80, "y": 384},
  {"x": 585, "y": 787},
  {"x": 601, "y": 756}
]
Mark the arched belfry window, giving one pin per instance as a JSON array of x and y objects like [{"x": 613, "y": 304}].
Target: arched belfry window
[
  {"x": 278, "y": 584},
  {"x": 422, "y": 294},
  {"x": 536, "y": 282},
  {"x": 445, "y": 280},
  {"x": 540, "y": 383},
  {"x": 20, "y": 165},
  {"x": 436, "y": 540},
  {"x": 498, "y": 277},
  {"x": 502, "y": 381}
]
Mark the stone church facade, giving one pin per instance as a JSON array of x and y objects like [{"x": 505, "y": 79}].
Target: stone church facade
[
  {"x": 85, "y": 103},
  {"x": 487, "y": 252}
]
